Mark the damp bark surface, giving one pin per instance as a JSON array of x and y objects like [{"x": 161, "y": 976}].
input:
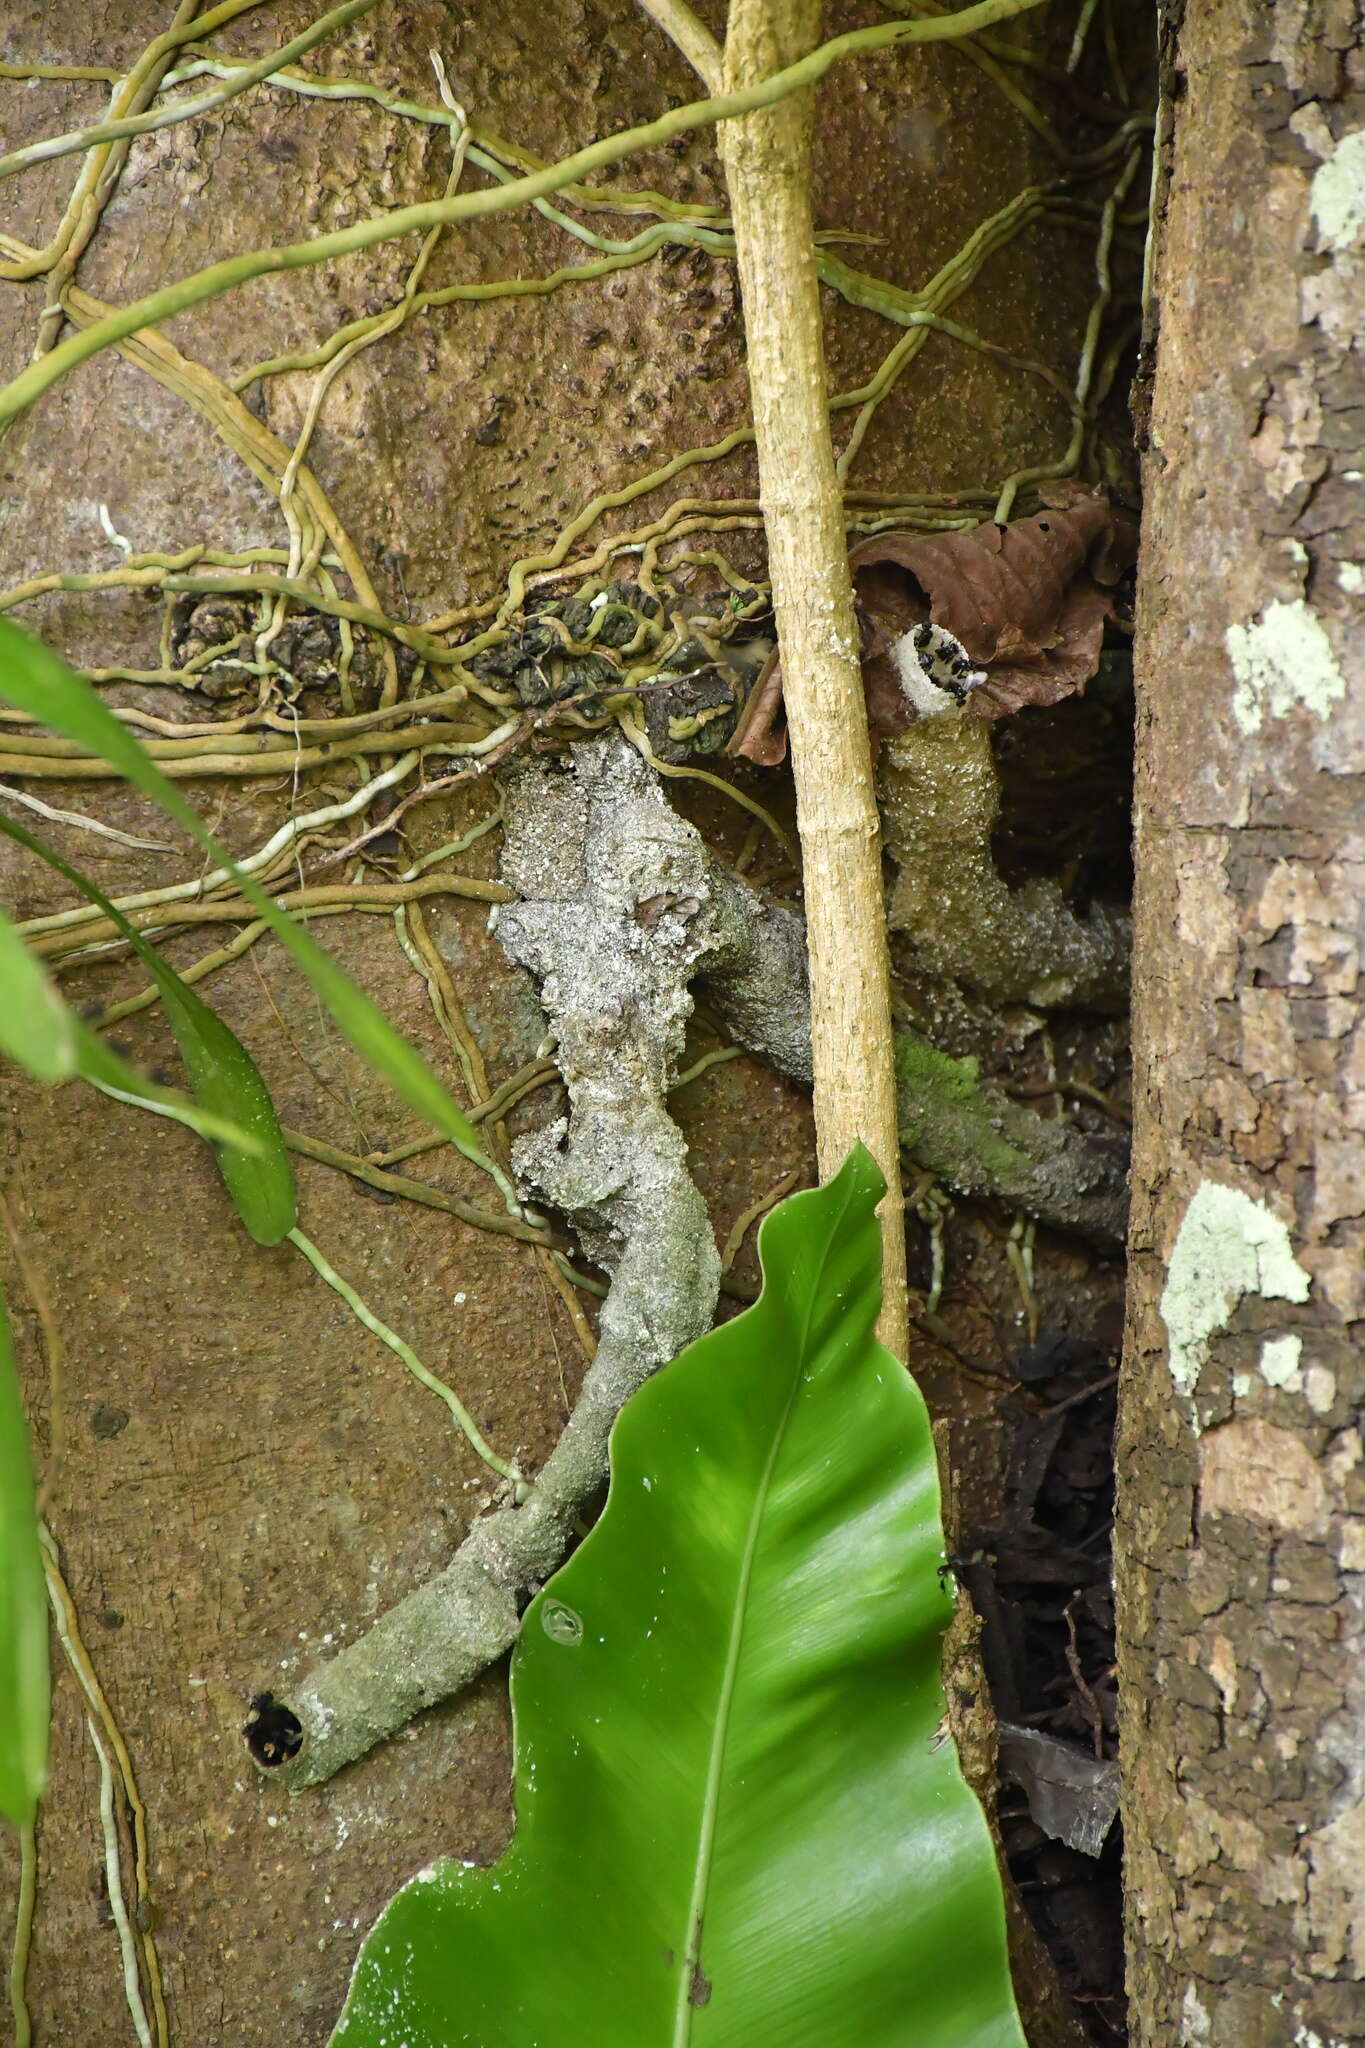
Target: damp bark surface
[
  {"x": 249, "y": 1478},
  {"x": 1242, "y": 1486}
]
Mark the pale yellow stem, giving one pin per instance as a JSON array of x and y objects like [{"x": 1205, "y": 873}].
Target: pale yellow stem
[
  {"x": 767, "y": 167},
  {"x": 692, "y": 37}
]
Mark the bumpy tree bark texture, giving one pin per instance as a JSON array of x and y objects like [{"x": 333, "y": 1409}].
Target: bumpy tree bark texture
[
  {"x": 1241, "y": 1477},
  {"x": 249, "y": 1478}
]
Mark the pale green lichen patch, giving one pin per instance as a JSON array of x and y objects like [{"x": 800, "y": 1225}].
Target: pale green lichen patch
[
  {"x": 1280, "y": 1363},
  {"x": 1282, "y": 659},
  {"x": 1228, "y": 1246},
  {"x": 1338, "y": 195}
]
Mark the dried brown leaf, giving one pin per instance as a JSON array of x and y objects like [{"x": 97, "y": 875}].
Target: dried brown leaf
[
  {"x": 761, "y": 732},
  {"x": 1028, "y": 601}
]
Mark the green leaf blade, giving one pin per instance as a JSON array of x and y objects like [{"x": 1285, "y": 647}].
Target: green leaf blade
[
  {"x": 113, "y": 1076},
  {"x": 41, "y": 1035},
  {"x": 37, "y": 1030},
  {"x": 24, "y": 1676},
  {"x": 225, "y": 1079},
  {"x": 738, "y": 1822},
  {"x": 37, "y": 681}
]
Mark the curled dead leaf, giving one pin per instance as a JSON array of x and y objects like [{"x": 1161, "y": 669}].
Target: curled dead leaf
[
  {"x": 1027, "y": 601},
  {"x": 761, "y": 732}
]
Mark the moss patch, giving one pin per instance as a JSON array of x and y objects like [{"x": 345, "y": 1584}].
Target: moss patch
[{"x": 947, "y": 1122}]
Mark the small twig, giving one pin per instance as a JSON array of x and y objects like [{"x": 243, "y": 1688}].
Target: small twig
[
  {"x": 416, "y": 942},
  {"x": 371, "y": 896},
  {"x": 1083, "y": 21},
  {"x": 552, "y": 1267},
  {"x": 746, "y": 1219},
  {"x": 67, "y": 1626},
  {"x": 1073, "y": 1663},
  {"x": 81, "y": 823},
  {"x": 261, "y": 863},
  {"x": 415, "y": 1190},
  {"x": 443, "y": 785},
  {"x": 933, "y": 1209},
  {"x": 1085, "y": 1394},
  {"x": 537, "y": 1073},
  {"x": 1029, "y": 1090},
  {"x": 717, "y": 1057},
  {"x": 113, "y": 1884}
]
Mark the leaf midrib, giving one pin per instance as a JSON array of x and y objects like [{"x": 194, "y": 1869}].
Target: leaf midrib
[{"x": 691, "y": 1948}]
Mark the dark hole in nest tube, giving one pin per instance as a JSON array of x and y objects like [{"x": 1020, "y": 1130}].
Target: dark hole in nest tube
[{"x": 273, "y": 1734}]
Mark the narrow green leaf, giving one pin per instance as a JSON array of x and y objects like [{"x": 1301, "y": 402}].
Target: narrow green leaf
[
  {"x": 740, "y": 1823},
  {"x": 24, "y": 1680},
  {"x": 36, "y": 1029},
  {"x": 37, "y": 681},
  {"x": 98, "y": 1064},
  {"x": 222, "y": 1072},
  {"x": 34, "y": 1020}
]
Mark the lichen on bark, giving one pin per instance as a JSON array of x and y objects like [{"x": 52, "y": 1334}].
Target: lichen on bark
[{"x": 1241, "y": 1502}]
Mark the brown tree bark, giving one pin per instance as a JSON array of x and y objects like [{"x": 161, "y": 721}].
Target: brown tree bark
[{"x": 1242, "y": 1487}]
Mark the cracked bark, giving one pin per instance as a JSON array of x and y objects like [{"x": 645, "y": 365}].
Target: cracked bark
[{"x": 1242, "y": 1484}]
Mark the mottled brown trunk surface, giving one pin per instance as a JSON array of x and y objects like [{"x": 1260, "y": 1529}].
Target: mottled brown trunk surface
[
  {"x": 1242, "y": 1487},
  {"x": 249, "y": 1477}
]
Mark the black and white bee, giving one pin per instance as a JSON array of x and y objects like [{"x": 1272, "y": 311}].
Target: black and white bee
[{"x": 935, "y": 670}]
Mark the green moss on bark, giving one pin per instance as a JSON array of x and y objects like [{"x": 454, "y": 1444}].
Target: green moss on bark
[
  {"x": 971, "y": 1136},
  {"x": 948, "y": 1124}
]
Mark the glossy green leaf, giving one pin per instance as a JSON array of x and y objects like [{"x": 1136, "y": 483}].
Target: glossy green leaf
[
  {"x": 50, "y": 1042},
  {"x": 223, "y": 1075},
  {"x": 740, "y": 1823},
  {"x": 24, "y": 1680},
  {"x": 37, "y": 681},
  {"x": 37, "y": 1030}
]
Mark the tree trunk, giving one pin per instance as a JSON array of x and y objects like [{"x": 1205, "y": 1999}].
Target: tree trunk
[
  {"x": 248, "y": 1477},
  {"x": 1242, "y": 1489}
]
